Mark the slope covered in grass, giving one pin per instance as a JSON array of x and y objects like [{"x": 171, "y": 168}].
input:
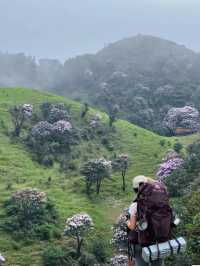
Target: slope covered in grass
[{"x": 18, "y": 170}]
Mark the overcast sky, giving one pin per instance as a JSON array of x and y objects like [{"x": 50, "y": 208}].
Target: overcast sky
[{"x": 65, "y": 28}]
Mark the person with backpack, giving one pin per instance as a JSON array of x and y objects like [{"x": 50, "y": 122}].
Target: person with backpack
[{"x": 149, "y": 220}]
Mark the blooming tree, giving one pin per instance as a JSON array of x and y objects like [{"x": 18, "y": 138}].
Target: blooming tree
[
  {"x": 19, "y": 115},
  {"x": 121, "y": 164},
  {"x": 78, "y": 226},
  {"x": 119, "y": 260},
  {"x": 95, "y": 171}
]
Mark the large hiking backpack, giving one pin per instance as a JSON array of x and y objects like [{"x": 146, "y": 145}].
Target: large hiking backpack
[{"x": 153, "y": 207}]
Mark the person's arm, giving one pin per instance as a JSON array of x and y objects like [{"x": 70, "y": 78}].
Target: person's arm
[{"x": 131, "y": 223}]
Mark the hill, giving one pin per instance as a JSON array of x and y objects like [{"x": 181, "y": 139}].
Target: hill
[
  {"x": 18, "y": 170},
  {"x": 143, "y": 75}
]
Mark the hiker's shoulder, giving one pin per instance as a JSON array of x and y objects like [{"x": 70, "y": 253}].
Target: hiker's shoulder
[{"x": 133, "y": 208}]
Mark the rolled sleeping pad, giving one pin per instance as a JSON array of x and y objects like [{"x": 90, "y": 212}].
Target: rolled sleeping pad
[
  {"x": 164, "y": 250},
  {"x": 2, "y": 259}
]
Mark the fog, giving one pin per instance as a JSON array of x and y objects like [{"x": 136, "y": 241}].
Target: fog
[{"x": 64, "y": 28}]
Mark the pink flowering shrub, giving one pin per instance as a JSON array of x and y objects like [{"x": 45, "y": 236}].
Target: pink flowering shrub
[
  {"x": 62, "y": 126},
  {"x": 172, "y": 162},
  {"x": 78, "y": 226},
  {"x": 120, "y": 237},
  {"x": 182, "y": 120},
  {"x": 54, "y": 112},
  {"x": 119, "y": 260},
  {"x": 49, "y": 141}
]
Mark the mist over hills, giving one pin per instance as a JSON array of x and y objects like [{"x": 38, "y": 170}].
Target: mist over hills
[{"x": 144, "y": 76}]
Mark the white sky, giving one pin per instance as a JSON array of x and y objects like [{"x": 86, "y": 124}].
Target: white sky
[{"x": 65, "y": 28}]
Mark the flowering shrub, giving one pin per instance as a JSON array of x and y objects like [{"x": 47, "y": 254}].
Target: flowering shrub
[
  {"x": 121, "y": 164},
  {"x": 95, "y": 171},
  {"x": 62, "y": 126},
  {"x": 171, "y": 163},
  {"x": 78, "y": 226},
  {"x": 42, "y": 130},
  {"x": 27, "y": 109},
  {"x": 49, "y": 141},
  {"x": 54, "y": 112},
  {"x": 120, "y": 237},
  {"x": 119, "y": 260},
  {"x": 28, "y": 210},
  {"x": 182, "y": 120},
  {"x": 95, "y": 121},
  {"x": 32, "y": 197}
]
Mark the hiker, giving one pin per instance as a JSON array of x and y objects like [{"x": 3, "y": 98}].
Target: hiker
[{"x": 149, "y": 221}]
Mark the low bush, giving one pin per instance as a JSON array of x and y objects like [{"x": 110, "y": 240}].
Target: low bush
[{"x": 29, "y": 213}]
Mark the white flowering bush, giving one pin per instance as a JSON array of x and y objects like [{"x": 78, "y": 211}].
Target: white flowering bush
[
  {"x": 119, "y": 260},
  {"x": 121, "y": 164},
  {"x": 95, "y": 171},
  {"x": 120, "y": 236},
  {"x": 78, "y": 226},
  {"x": 27, "y": 109},
  {"x": 27, "y": 210}
]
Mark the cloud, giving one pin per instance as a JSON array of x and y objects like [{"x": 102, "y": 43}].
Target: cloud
[{"x": 65, "y": 28}]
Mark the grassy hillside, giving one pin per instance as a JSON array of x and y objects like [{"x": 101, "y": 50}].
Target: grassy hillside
[{"x": 17, "y": 170}]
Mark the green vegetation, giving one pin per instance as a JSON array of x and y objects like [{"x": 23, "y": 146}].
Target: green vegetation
[
  {"x": 66, "y": 188},
  {"x": 138, "y": 78}
]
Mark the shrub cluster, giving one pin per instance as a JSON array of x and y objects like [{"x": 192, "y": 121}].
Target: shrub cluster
[{"x": 29, "y": 212}]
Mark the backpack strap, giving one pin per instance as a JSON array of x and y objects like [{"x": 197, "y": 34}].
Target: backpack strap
[
  {"x": 179, "y": 245},
  {"x": 158, "y": 250},
  {"x": 150, "y": 254},
  {"x": 171, "y": 248}
]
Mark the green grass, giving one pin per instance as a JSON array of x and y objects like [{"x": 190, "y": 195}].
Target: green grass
[{"x": 67, "y": 189}]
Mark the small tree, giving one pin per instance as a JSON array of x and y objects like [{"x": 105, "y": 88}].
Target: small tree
[
  {"x": 84, "y": 110},
  {"x": 178, "y": 147},
  {"x": 113, "y": 111},
  {"x": 121, "y": 164},
  {"x": 109, "y": 101},
  {"x": 78, "y": 226},
  {"x": 19, "y": 115},
  {"x": 95, "y": 171}
]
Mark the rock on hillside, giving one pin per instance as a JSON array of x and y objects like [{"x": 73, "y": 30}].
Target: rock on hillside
[{"x": 182, "y": 121}]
